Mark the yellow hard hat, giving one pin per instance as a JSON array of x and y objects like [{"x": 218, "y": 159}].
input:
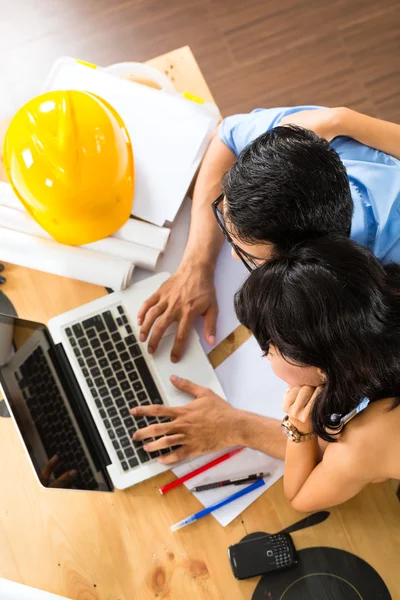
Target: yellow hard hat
[{"x": 69, "y": 158}]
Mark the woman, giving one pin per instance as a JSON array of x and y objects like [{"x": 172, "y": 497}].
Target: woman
[{"x": 327, "y": 315}]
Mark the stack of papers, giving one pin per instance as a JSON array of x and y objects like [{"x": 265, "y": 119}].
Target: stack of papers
[
  {"x": 169, "y": 134},
  {"x": 109, "y": 262}
]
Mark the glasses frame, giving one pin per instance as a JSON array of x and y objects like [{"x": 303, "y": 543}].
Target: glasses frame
[{"x": 246, "y": 258}]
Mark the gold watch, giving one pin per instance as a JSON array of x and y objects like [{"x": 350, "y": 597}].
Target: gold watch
[{"x": 293, "y": 434}]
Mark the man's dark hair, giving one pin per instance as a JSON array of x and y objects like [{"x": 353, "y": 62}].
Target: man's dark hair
[
  {"x": 328, "y": 303},
  {"x": 287, "y": 185}
]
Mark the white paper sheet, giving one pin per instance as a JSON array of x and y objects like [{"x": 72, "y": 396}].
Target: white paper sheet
[
  {"x": 229, "y": 275},
  {"x": 168, "y": 135},
  {"x": 249, "y": 384},
  {"x": 245, "y": 463}
]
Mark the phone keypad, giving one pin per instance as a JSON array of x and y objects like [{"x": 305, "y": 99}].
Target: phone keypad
[{"x": 282, "y": 554}]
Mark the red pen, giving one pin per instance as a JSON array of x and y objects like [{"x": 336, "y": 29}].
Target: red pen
[{"x": 205, "y": 467}]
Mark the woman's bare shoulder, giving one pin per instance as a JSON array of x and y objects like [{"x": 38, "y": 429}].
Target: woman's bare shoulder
[{"x": 373, "y": 441}]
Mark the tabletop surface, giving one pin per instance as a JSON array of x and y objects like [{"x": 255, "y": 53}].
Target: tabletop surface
[{"x": 93, "y": 546}]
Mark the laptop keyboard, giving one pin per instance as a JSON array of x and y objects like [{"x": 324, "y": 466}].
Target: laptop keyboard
[
  {"x": 118, "y": 378},
  {"x": 51, "y": 419}
]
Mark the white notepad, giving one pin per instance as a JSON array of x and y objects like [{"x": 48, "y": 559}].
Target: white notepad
[{"x": 169, "y": 134}]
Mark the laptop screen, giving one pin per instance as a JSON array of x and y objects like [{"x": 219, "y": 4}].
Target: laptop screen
[{"x": 45, "y": 409}]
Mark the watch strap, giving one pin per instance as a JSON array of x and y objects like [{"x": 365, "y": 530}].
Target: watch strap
[{"x": 293, "y": 434}]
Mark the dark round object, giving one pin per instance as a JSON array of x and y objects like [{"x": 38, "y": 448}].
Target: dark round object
[{"x": 324, "y": 574}]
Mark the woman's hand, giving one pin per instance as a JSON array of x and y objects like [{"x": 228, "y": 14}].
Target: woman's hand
[
  {"x": 325, "y": 122},
  {"x": 206, "y": 424},
  {"x": 298, "y": 403}
]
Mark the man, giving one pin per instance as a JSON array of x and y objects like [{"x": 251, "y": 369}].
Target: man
[{"x": 286, "y": 185}]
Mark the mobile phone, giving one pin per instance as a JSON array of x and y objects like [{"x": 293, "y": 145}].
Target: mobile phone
[{"x": 261, "y": 555}]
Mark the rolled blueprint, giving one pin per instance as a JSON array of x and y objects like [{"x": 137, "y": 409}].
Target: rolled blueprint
[
  {"x": 133, "y": 231},
  {"x": 69, "y": 261},
  {"x": 21, "y": 221},
  {"x": 142, "y": 233}
]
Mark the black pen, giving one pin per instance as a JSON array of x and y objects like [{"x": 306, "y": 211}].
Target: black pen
[{"x": 236, "y": 481}]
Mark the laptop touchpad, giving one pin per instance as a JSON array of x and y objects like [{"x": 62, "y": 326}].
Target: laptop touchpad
[{"x": 194, "y": 365}]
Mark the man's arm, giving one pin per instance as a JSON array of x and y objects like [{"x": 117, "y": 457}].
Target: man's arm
[
  {"x": 332, "y": 122},
  {"x": 205, "y": 237},
  {"x": 207, "y": 424},
  {"x": 190, "y": 291}
]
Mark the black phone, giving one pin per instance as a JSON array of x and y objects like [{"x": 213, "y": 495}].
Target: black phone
[{"x": 261, "y": 555}]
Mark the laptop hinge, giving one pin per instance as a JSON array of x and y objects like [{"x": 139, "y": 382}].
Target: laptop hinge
[{"x": 81, "y": 411}]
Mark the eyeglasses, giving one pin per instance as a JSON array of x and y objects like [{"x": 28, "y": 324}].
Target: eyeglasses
[{"x": 247, "y": 259}]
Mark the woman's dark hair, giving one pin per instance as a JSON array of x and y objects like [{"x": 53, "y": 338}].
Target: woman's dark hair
[
  {"x": 329, "y": 303},
  {"x": 286, "y": 185}
]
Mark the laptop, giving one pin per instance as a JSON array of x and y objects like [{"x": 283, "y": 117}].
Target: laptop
[{"x": 70, "y": 388}]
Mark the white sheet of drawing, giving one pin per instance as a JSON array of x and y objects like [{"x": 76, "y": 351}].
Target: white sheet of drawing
[{"x": 249, "y": 382}]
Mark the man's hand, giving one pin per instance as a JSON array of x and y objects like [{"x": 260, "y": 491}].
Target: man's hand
[
  {"x": 298, "y": 403},
  {"x": 184, "y": 296},
  {"x": 206, "y": 424},
  {"x": 322, "y": 121},
  {"x": 64, "y": 481}
]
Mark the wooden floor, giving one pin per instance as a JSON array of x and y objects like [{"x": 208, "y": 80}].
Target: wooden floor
[{"x": 252, "y": 52}]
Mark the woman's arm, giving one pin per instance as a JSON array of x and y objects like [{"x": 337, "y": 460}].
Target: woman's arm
[
  {"x": 311, "y": 484},
  {"x": 334, "y": 480},
  {"x": 332, "y": 122}
]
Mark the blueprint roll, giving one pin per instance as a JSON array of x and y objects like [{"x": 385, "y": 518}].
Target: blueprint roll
[
  {"x": 144, "y": 234},
  {"x": 142, "y": 256},
  {"x": 133, "y": 231},
  {"x": 69, "y": 261}
]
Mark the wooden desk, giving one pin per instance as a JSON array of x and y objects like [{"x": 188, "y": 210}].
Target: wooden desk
[{"x": 119, "y": 546}]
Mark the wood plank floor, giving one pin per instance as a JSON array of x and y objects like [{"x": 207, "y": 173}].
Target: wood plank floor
[{"x": 253, "y": 53}]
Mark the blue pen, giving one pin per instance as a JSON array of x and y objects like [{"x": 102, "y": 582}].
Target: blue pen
[{"x": 220, "y": 504}]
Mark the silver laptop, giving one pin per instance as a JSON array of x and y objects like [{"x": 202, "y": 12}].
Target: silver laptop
[{"x": 70, "y": 388}]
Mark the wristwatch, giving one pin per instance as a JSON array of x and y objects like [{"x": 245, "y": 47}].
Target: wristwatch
[{"x": 292, "y": 433}]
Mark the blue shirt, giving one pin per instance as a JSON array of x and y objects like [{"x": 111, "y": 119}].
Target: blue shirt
[{"x": 373, "y": 175}]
